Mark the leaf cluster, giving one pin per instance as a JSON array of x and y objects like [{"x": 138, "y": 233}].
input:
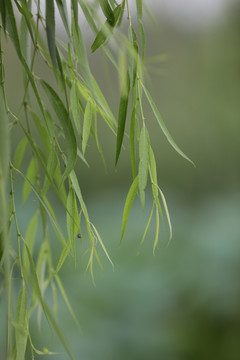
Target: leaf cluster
[{"x": 67, "y": 116}]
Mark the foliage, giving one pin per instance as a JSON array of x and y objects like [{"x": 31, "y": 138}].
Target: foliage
[{"x": 68, "y": 114}]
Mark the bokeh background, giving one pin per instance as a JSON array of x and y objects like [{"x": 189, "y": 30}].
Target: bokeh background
[{"x": 184, "y": 302}]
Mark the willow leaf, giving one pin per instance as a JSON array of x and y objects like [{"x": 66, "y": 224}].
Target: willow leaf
[
  {"x": 147, "y": 226},
  {"x": 155, "y": 187},
  {"x": 30, "y": 239},
  {"x": 62, "y": 7},
  {"x": 77, "y": 190},
  {"x": 31, "y": 175},
  {"x": 3, "y": 13},
  {"x": 50, "y": 29},
  {"x": 107, "y": 10},
  {"x": 66, "y": 300},
  {"x": 128, "y": 204},
  {"x": 157, "y": 231},
  {"x": 19, "y": 153},
  {"x": 21, "y": 331},
  {"x": 139, "y": 9},
  {"x": 75, "y": 108},
  {"x": 66, "y": 124},
  {"x": 122, "y": 114},
  {"x": 132, "y": 142},
  {"x": 86, "y": 125},
  {"x": 143, "y": 38},
  {"x": 45, "y": 308},
  {"x": 163, "y": 126},
  {"x": 167, "y": 215},
  {"x": 143, "y": 162},
  {"x": 106, "y": 31}
]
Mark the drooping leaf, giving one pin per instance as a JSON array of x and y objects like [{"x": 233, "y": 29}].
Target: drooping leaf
[
  {"x": 19, "y": 153},
  {"x": 157, "y": 231},
  {"x": 143, "y": 38},
  {"x": 50, "y": 29},
  {"x": 122, "y": 115},
  {"x": 107, "y": 10},
  {"x": 106, "y": 31},
  {"x": 128, "y": 204},
  {"x": 66, "y": 124},
  {"x": 139, "y": 9},
  {"x": 163, "y": 126},
  {"x": 132, "y": 142},
  {"x": 45, "y": 308},
  {"x": 143, "y": 162},
  {"x": 73, "y": 219},
  {"x": 62, "y": 7},
  {"x": 30, "y": 240},
  {"x": 3, "y": 13},
  {"x": 147, "y": 226},
  {"x": 86, "y": 125},
  {"x": 31, "y": 175},
  {"x": 66, "y": 300},
  {"x": 75, "y": 108},
  {"x": 21, "y": 331}
]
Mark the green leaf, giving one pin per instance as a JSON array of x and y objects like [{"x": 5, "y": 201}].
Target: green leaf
[
  {"x": 77, "y": 190},
  {"x": 62, "y": 7},
  {"x": 128, "y": 204},
  {"x": 52, "y": 163},
  {"x": 157, "y": 231},
  {"x": 86, "y": 125},
  {"x": 3, "y": 13},
  {"x": 106, "y": 31},
  {"x": 73, "y": 219},
  {"x": 143, "y": 38},
  {"x": 66, "y": 124},
  {"x": 143, "y": 162},
  {"x": 167, "y": 215},
  {"x": 75, "y": 108},
  {"x": 139, "y": 9},
  {"x": 30, "y": 239},
  {"x": 132, "y": 142},
  {"x": 19, "y": 153},
  {"x": 21, "y": 331},
  {"x": 50, "y": 29},
  {"x": 163, "y": 126},
  {"x": 119, "y": 22},
  {"x": 107, "y": 10},
  {"x": 66, "y": 300},
  {"x": 45, "y": 308},
  {"x": 147, "y": 226},
  {"x": 122, "y": 114},
  {"x": 31, "y": 175}
]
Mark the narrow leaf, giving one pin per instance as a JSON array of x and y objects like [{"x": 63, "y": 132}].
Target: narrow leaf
[
  {"x": 122, "y": 114},
  {"x": 19, "y": 153},
  {"x": 45, "y": 308},
  {"x": 86, "y": 125},
  {"x": 143, "y": 162},
  {"x": 21, "y": 332},
  {"x": 31, "y": 175},
  {"x": 147, "y": 226},
  {"x": 157, "y": 231},
  {"x": 30, "y": 239},
  {"x": 66, "y": 124},
  {"x": 163, "y": 126},
  {"x": 50, "y": 29},
  {"x": 62, "y": 7},
  {"x": 128, "y": 204},
  {"x": 75, "y": 108},
  {"x": 139, "y": 9}
]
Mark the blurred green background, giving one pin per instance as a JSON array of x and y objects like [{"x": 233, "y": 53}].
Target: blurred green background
[{"x": 182, "y": 303}]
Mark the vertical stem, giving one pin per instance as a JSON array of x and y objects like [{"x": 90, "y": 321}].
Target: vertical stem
[{"x": 4, "y": 168}]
